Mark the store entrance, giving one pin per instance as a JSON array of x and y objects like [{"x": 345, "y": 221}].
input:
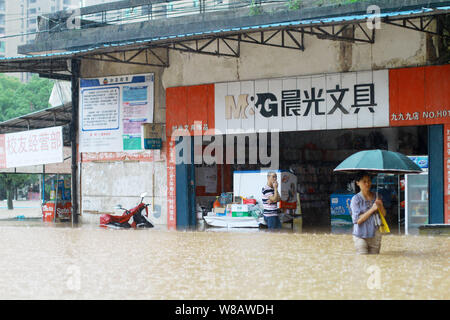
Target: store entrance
[{"x": 311, "y": 157}]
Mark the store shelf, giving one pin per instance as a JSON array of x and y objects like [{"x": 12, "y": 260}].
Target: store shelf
[
  {"x": 417, "y": 224},
  {"x": 419, "y": 216},
  {"x": 419, "y": 201}
]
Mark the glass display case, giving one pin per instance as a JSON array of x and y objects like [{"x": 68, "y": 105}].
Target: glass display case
[{"x": 416, "y": 204}]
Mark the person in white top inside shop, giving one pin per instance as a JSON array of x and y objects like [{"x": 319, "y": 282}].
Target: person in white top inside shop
[{"x": 270, "y": 197}]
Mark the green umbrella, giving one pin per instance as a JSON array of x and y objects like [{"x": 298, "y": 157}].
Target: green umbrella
[{"x": 378, "y": 161}]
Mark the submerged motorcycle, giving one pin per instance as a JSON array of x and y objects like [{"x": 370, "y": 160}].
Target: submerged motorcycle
[{"x": 139, "y": 215}]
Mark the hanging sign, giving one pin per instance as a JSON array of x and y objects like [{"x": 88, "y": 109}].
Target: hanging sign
[
  {"x": 112, "y": 110},
  {"x": 33, "y": 147}
]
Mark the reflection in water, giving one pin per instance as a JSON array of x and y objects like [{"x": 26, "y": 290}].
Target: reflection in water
[{"x": 44, "y": 261}]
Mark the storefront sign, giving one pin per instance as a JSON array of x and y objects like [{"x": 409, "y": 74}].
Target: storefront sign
[
  {"x": 33, "y": 147},
  {"x": 330, "y": 101},
  {"x": 112, "y": 111},
  {"x": 190, "y": 109},
  {"x": 368, "y": 99},
  {"x": 419, "y": 96}
]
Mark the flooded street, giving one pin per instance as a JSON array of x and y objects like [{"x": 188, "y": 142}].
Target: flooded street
[{"x": 44, "y": 261}]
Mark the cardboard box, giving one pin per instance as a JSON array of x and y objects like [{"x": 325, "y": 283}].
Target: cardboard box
[
  {"x": 219, "y": 211},
  {"x": 240, "y": 214},
  {"x": 239, "y": 208}
]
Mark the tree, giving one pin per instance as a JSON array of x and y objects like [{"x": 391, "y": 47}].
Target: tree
[
  {"x": 10, "y": 182},
  {"x": 18, "y": 99}
]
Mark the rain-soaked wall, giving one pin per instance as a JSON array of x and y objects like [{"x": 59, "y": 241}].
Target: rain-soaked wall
[
  {"x": 394, "y": 47},
  {"x": 104, "y": 184}
]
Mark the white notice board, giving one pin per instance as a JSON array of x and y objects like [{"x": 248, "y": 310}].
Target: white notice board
[{"x": 112, "y": 110}]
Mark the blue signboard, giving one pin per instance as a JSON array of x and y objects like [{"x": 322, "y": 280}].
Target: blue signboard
[
  {"x": 152, "y": 143},
  {"x": 421, "y": 161},
  {"x": 341, "y": 218}
]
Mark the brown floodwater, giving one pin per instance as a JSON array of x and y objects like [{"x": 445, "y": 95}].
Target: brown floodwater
[{"x": 47, "y": 261}]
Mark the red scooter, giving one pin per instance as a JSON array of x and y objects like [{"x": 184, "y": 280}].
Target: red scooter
[{"x": 140, "y": 219}]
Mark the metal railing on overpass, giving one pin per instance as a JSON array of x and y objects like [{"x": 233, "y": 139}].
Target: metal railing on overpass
[{"x": 123, "y": 12}]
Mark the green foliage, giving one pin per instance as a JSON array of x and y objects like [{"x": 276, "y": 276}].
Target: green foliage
[
  {"x": 17, "y": 98},
  {"x": 255, "y": 8},
  {"x": 294, "y": 4},
  {"x": 9, "y": 182},
  {"x": 320, "y": 3}
]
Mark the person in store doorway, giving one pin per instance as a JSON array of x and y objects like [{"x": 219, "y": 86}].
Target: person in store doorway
[
  {"x": 270, "y": 197},
  {"x": 365, "y": 209}
]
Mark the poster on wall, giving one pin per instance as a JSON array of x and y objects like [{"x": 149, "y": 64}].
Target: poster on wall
[{"x": 112, "y": 110}]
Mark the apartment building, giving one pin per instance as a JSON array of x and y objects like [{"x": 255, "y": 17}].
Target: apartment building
[{"x": 19, "y": 25}]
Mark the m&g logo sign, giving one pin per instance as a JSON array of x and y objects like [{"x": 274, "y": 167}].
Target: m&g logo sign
[
  {"x": 317, "y": 102},
  {"x": 296, "y": 103},
  {"x": 241, "y": 110}
]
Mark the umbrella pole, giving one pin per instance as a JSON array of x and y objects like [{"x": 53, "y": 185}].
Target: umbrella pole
[
  {"x": 398, "y": 205},
  {"x": 378, "y": 211},
  {"x": 377, "y": 187}
]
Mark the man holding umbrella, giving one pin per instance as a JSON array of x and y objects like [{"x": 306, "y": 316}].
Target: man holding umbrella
[{"x": 364, "y": 208}]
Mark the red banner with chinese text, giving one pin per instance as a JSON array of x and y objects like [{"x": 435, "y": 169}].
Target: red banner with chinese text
[
  {"x": 189, "y": 111},
  {"x": 171, "y": 186}
]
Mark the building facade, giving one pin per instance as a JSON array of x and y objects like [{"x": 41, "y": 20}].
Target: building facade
[{"x": 347, "y": 88}]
